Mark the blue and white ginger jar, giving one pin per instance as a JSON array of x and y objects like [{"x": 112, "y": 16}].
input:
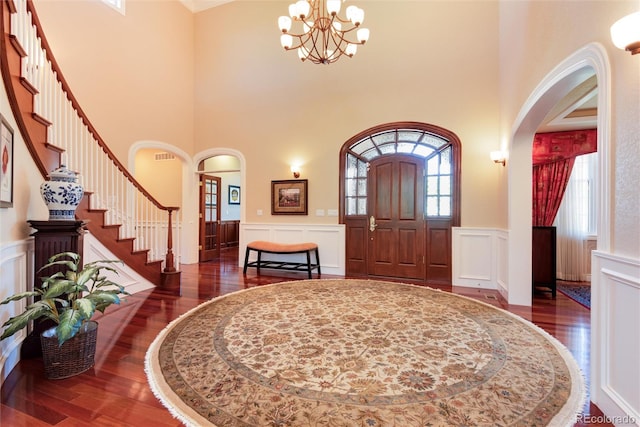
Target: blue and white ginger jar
[{"x": 62, "y": 194}]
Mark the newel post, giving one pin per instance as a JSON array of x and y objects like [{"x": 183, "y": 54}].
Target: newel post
[
  {"x": 169, "y": 262},
  {"x": 170, "y": 276}
]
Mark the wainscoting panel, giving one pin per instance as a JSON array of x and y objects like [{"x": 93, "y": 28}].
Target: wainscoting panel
[
  {"x": 479, "y": 258},
  {"x": 16, "y": 271},
  {"x": 249, "y": 233},
  {"x": 615, "y": 341},
  {"x": 502, "y": 262},
  {"x": 329, "y": 238}
]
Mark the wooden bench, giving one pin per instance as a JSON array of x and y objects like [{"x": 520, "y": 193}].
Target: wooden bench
[{"x": 282, "y": 248}]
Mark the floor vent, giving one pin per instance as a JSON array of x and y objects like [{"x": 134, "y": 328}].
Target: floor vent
[{"x": 493, "y": 297}]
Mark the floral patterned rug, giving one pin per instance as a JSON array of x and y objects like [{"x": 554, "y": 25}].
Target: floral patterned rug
[{"x": 360, "y": 353}]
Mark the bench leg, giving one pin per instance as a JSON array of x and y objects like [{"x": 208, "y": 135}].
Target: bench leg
[
  {"x": 309, "y": 263},
  {"x": 246, "y": 261},
  {"x": 318, "y": 261},
  {"x": 259, "y": 261}
]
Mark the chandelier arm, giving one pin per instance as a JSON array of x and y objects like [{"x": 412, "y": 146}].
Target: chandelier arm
[
  {"x": 297, "y": 35},
  {"x": 350, "y": 30},
  {"x": 338, "y": 40},
  {"x": 314, "y": 52},
  {"x": 325, "y": 41},
  {"x": 301, "y": 42},
  {"x": 344, "y": 21}
]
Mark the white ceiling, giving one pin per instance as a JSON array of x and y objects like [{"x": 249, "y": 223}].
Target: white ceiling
[{"x": 578, "y": 110}]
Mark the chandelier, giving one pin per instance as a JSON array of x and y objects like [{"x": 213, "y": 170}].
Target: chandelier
[{"x": 323, "y": 38}]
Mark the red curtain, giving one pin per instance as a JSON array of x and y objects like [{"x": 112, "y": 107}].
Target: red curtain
[{"x": 549, "y": 183}]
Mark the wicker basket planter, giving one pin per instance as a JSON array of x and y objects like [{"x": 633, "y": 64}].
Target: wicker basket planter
[
  {"x": 74, "y": 356},
  {"x": 69, "y": 298}
]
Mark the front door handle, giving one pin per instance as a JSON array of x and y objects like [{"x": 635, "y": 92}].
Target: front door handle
[{"x": 372, "y": 223}]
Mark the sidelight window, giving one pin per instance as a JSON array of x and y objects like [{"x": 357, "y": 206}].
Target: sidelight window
[
  {"x": 439, "y": 184},
  {"x": 356, "y": 185}
]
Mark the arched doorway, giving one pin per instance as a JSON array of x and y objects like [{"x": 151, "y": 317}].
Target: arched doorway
[
  {"x": 219, "y": 205},
  {"x": 163, "y": 170},
  {"x": 560, "y": 81},
  {"x": 556, "y": 85},
  {"x": 399, "y": 198}
]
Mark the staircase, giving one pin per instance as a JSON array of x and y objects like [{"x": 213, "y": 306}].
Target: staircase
[{"x": 119, "y": 212}]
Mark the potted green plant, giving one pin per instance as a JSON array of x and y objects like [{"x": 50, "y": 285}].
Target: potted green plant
[{"x": 70, "y": 298}]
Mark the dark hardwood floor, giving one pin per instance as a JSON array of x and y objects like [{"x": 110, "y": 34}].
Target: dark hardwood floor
[{"x": 115, "y": 391}]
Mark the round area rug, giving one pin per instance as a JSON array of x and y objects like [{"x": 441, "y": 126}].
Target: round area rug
[{"x": 360, "y": 353}]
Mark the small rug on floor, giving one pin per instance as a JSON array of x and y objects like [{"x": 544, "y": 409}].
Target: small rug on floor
[
  {"x": 360, "y": 353},
  {"x": 579, "y": 293}
]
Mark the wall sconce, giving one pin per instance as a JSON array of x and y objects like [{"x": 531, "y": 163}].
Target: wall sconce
[
  {"x": 499, "y": 157},
  {"x": 295, "y": 169},
  {"x": 625, "y": 33}
]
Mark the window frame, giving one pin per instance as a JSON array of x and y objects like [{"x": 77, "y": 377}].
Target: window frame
[{"x": 367, "y": 137}]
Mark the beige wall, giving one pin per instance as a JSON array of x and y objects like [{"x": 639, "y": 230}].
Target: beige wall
[
  {"x": 433, "y": 62},
  {"x": 161, "y": 178},
  {"x": 27, "y": 202},
  {"x": 439, "y": 66},
  {"x": 220, "y": 79},
  {"x": 534, "y": 39},
  {"x": 132, "y": 74}
]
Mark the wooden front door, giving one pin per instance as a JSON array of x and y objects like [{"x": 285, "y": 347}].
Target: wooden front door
[
  {"x": 400, "y": 198},
  {"x": 210, "y": 204},
  {"x": 396, "y": 227}
]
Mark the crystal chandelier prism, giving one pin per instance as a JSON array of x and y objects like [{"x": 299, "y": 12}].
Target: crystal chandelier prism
[{"x": 324, "y": 36}]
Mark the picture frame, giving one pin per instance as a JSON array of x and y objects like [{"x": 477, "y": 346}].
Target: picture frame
[
  {"x": 234, "y": 195},
  {"x": 6, "y": 164},
  {"x": 289, "y": 197}
]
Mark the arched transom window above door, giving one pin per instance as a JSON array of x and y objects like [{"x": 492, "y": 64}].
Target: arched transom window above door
[{"x": 438, "y": 147}]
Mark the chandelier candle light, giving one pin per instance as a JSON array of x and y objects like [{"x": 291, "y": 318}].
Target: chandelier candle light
[{"x": 323, "y": 39}]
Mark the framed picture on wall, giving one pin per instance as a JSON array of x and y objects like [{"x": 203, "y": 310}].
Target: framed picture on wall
[
  {"x": 234, "y": 195},
  {"x": 289, "y": 197},
  {"x": 6, "y": 164}
]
